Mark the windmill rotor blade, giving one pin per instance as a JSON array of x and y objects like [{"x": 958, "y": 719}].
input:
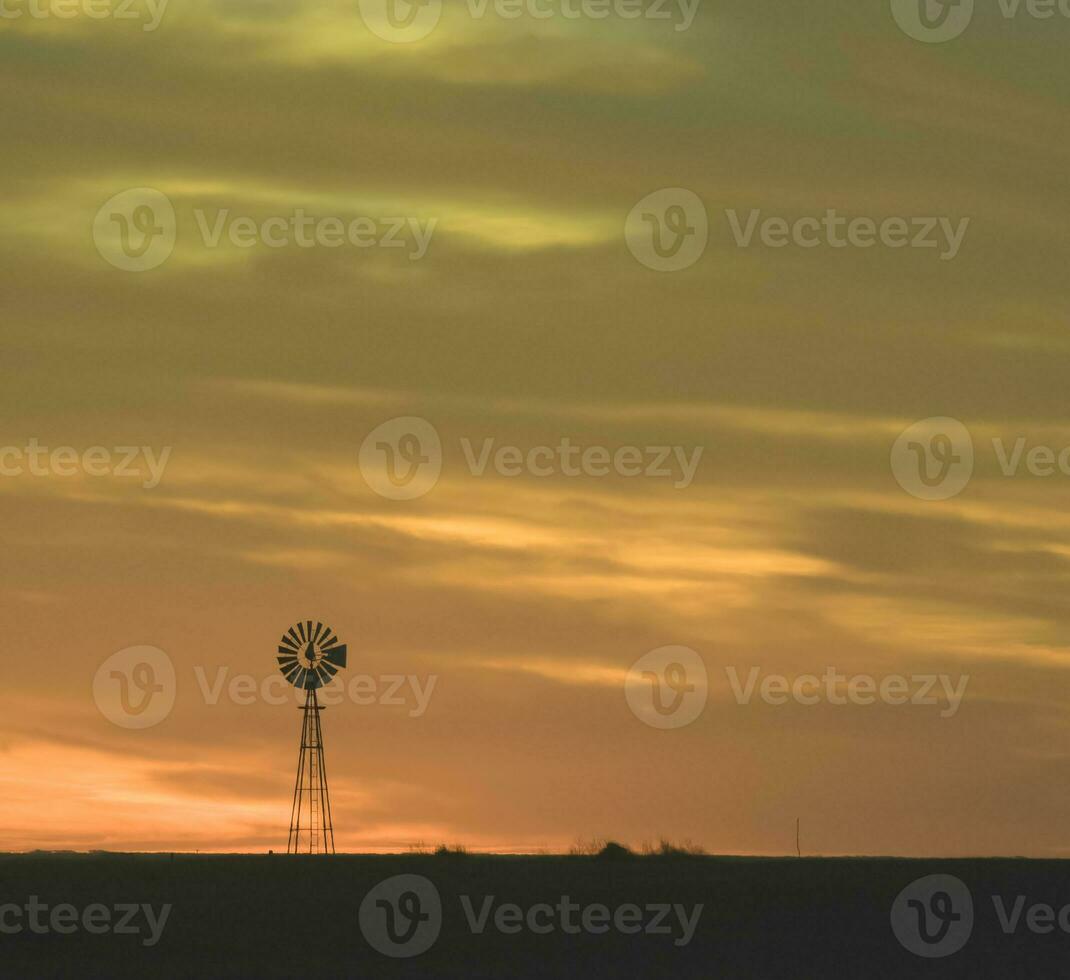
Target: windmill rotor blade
[
  {"x": 336, "y": 656},
  {"x": 308, "y": 653}
]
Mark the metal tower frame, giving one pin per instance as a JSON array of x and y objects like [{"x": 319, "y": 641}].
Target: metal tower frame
[{"x": 311, "y": 796}]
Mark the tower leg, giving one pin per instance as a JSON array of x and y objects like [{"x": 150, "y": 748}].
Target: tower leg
[{"x": 312, "y": 803}]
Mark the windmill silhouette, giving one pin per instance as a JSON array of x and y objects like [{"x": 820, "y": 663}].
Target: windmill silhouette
[{"x": 308, "y": 659}]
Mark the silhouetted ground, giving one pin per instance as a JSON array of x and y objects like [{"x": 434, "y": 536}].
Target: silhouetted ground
[{"x": 279, "y": 916}]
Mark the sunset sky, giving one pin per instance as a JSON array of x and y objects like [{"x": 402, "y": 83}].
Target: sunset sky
[{"x": 526, "y": 143}]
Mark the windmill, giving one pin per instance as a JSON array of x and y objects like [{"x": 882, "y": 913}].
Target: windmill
[{"x": 308, "y": 659}]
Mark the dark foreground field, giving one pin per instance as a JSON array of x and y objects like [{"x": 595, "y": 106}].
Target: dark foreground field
[{"x": 278, "y": 916}]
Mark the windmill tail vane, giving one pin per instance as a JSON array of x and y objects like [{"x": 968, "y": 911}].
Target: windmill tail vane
[{"x": 309, "y": 658}]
